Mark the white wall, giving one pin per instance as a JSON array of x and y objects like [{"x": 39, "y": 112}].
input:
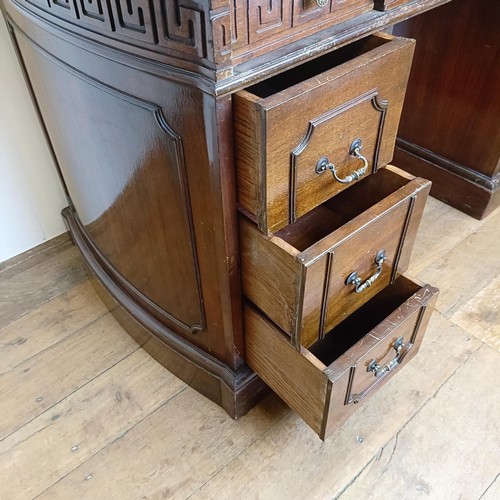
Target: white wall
[{"x": 31, "y": 195}]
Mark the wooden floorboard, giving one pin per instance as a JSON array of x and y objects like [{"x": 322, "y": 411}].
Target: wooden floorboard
[
  {"x": 35, "y": 256},
  {"x": 336, "y": 461},
  {"x": 22, "y": 292},
  {"x": 83, "y": 423},
  {"x": 451, "y": 458},
  {"x": 43, "y": 380},
  {"x": 170, "y": 454},
  {"x": 85, "y": 413},
  {"x": 48, "y": 324},
  {"x": 466, "y": 268}
]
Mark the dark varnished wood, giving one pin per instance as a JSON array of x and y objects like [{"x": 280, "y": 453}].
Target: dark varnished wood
[
  {"x": 450, "y": 123},
  {"x": 142, "y": 199},
  {"x": 214, "y": 38},
  {"x": 136, "y": 101},
  {"x": 297, "y": 276},
  {"x": 319, "y": 383},
  {"x": 236, "y": 391},
  {"x": 309, "y": 46},
  {"x": 389, "y": 4},
  {"x": 194, "y": 31},
  {"x": 260, "y": 25},
  {"x": 130, "y": 184}
]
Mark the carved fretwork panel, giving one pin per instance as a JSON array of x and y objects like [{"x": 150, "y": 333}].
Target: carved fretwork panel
[
  {"x": 268, "y": 17},
  {"x": 212, "y": 33},
  {"x": 135, "y": 19},
  {"x": 186, "y": 26},
  {"x": 239, "y": 23},
  {"x": 264, "y": 23},
  {"x": 94, "y": 13},
  {"x": 187, "y": 29},
  {"x": 64, "y": 4},
  {"x": 42, "y": 4},
  {"x": 334, "y": 10},
  {"x": 222, "y": 26},
  {"x": 305, "y": 10}
]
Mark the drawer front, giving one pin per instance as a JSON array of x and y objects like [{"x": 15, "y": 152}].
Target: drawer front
[
  {"x": 263, "y": 25},
  {"x": 299, "y": 145},
  {"x": 307, "y": 292},
  {"x": 326, "y": 384}
]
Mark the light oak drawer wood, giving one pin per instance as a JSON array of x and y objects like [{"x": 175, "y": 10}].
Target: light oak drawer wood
[
  {"x": 326, "y": 383},
  {"x": 285, "y": 125},
  {"x": 298, "y": 275}
]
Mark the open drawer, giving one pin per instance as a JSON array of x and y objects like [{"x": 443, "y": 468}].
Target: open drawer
[
  {"x": 304, "y": 135},
  {"x": 311, "y": 275},
  {"x": 325, "y": 383}
]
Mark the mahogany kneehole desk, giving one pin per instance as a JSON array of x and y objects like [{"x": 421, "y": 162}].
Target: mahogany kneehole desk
[{"x": 226, "y": 170}]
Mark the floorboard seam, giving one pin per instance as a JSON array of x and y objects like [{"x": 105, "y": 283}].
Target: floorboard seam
[
  {"x": 122, "y": 435},
  {"x": 70, "y": 393},
  {"x": 217, "y": 472},
  {"x": 56, "y": 245},
  {"x": 396, "y": 436},
  {"x": 44, "y": 301},
  {"x": 63, "y": 339}
]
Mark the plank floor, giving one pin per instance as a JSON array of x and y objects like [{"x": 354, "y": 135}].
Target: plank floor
[{"x": 86, "y": 414}]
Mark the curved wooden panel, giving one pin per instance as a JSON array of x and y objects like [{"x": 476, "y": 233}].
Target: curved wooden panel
[{"x": 125, "y": 172}]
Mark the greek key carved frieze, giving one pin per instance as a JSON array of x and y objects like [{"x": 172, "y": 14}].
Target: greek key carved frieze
[
  {"x": 185, "y": 26},
  {"x": 257, "y": 20},
  {"x": 179, "y": 26},
  {"x": 212, "y": 33}
]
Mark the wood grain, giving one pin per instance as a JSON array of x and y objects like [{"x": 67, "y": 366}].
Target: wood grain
[
  {"x": 51, "y": 375},
  {"x": 467, "y": 268},
  {"x": 398, "y": 471},
  {"x": 163, "y": 467},
  {"x": 323, "y": 395},
  {"x": 323, "y": 115},
  {"x": 24, "y": 291},
  {"x": 296, "y": 376},
  {"x": 389, "y": 4},
  {"x": 442, "y": 228},
  {"x": 79, "y": 426},
  {"x": 449, "y": 131},
  {"x": 265, "y": 464},
  {"x": 260, "y": 25},
  {"x": 481, "y": 315},
  {"x": 48, "y": 324},
  {"x": 262, "y": 472},
  {"x": 248, "y": 151},
  {"x": 305, "y": 293},
  {"x": 270, "y": 273}
]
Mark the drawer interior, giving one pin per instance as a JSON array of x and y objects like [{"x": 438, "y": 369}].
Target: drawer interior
[
  {"x": 344, "y": 207},
  {"x": 298, "y": 275},
  {"x": 313, "y": 68},
  {"x": 351, "y": 330},
  {"x": 325, "y": 382}
]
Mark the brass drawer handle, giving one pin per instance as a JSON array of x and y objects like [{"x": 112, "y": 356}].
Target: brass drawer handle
[
  {"x": 324, "y": 164},
  {"x": 354, "y": 279},
  {"x": 378, "y": 370}
]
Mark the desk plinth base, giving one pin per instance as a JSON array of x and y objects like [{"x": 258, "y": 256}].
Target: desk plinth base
[{"x": 236, "y": 391}]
